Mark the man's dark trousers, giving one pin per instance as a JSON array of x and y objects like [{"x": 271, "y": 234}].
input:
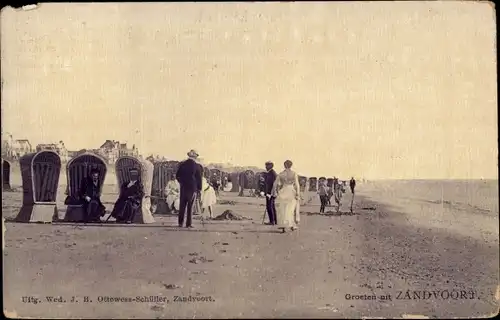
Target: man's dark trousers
[
  {"x": 271, "y": 209},
  {"x": 186, "y": 200},
  {"x": 92, "y": 210}
]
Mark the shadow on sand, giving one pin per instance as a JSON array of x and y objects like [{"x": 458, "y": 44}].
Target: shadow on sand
[
  {"x": 112, "y": 224},
  {"x": 333, "y": 213}
]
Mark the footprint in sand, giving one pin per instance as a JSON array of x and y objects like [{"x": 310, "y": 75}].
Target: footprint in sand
[
  {"x": 200, "y": 260},
  {"x": 172, "y": 286}
]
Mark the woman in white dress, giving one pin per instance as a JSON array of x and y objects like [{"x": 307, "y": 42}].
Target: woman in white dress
[
  {"x": 286, "y": 189},
  {"x": 228, "y": 185},
  {"x": 172, "y": 191},
  {"x": 208, "y": 197}
]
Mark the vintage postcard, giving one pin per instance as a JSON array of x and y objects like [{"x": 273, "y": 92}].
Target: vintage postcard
[{"x": 250, "y": 160}]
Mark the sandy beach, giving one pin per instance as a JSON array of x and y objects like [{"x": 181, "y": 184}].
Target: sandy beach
[
  {"x": 374, "y": 90},
  {"x": 426, "y": 248}
]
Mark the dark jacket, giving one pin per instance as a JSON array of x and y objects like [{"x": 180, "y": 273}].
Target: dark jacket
[
  {"x": 134, "y": 193},
  {"x": 89, "y": 189},
  {"x": 352, "y": 183},
  {"x": 189, "y": 174},
  {"x": 271, "y": 176}
]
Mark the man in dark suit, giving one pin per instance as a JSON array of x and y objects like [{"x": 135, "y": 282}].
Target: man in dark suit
[
  {"x": 90, "y": 194},
  {"x": 352, "y": 184},
  {"x": 270, "y": 205},
  {"x": 189, "y": 174}
]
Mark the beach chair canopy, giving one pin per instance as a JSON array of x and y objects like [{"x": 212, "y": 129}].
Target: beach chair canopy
[
  {"x": 145, "y": 168},
  {"x": 313, "y": 184},
  {"x": 260, "y": 178},
  {"x": 80, "y": 167},
  {"x": 247, "y": 179},
  {"x": 40, "y": 173},
  {"x": 162, "y": 173},
  {"x": 5, "y": 174},
  {"x": 329, "y": 182}
]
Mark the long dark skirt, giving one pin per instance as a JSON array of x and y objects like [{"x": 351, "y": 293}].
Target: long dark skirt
[
  {"x": 94, "y": 210},
  {"x": 125, "y": 210}
]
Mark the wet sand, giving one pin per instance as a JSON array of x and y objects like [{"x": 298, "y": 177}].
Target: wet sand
[{"x": 395, "y": 241}]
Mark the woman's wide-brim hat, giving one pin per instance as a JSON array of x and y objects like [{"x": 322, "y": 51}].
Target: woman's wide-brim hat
[{"x": 193, "y": 154}]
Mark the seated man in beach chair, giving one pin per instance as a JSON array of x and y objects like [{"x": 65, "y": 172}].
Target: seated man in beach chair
[
  {"x": 129, "y": 201},
  {"x": 90, "y": 197}
]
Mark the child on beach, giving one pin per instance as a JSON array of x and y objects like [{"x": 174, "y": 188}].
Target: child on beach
[
  {"x": 323, "y": 195},
  {"x": 208, "y": 198}
]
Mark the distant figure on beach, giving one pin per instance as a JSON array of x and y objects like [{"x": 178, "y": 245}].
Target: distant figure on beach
[
  {"x": 189, "y": 174},
  {"x": 216, "y": 184},
  {"x": 270, "y": 178},
  {"x": 329, "y": 190},
  {"x": 286, "y": 189},
  {"x": 90, "y": 197},
  {"x": 352, "y": 184},
  {"x": 172, "y": 191},
  {"x": 223, "y": 182},
  {"x": 323, "y": 192},
  {"x": 335, "y": 183},
  {"x": 208, "y": 198},
  {"x": 129, "y": 201},
  {"x": 337, "y": 192},
  {"x": 228, "y": 185}
]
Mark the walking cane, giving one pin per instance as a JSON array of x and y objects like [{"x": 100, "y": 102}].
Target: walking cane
[
  {"x": 108, "y": 217},
  {"x": 264, "y": 216},
  {"x": 352, "y": 200}
]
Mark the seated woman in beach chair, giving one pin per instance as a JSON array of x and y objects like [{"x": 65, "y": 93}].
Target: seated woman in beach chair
[
  {"x": 172, "y": 192},
  {"x": 129, "y": 201}
]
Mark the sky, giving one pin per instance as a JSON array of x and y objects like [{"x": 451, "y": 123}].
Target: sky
[{"x": 394, "y": 90}]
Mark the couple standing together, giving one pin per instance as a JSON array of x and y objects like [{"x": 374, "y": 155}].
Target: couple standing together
[{"x": 283, "y": 197}]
